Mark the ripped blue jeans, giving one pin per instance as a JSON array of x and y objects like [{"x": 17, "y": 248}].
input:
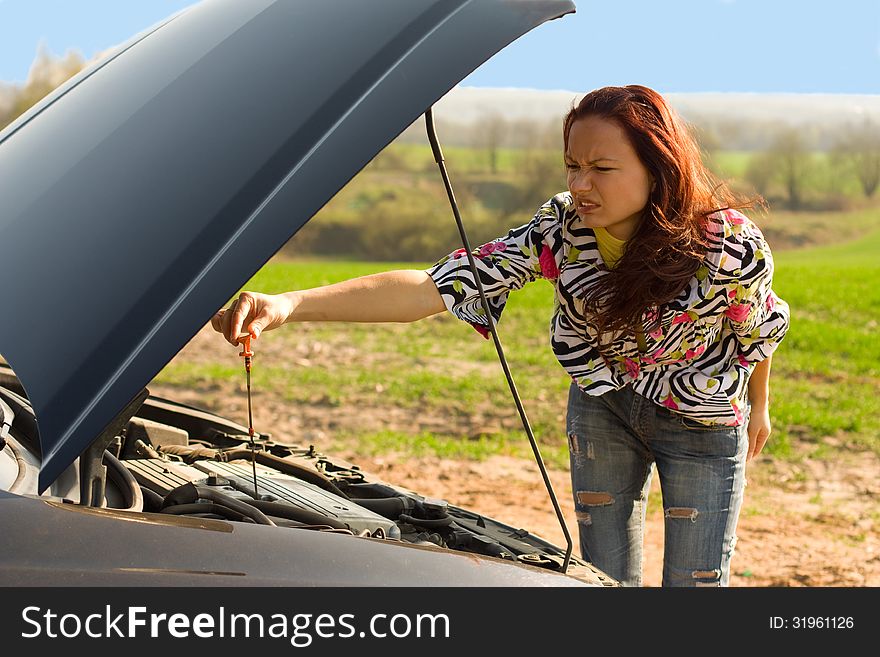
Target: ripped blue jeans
[{"x": 615, "y": 440}]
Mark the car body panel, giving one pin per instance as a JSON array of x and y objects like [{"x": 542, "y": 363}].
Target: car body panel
[{"x": 141, "y": 195}]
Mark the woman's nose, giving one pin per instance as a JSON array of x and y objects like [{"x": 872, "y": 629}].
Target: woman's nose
[{"x": 581, "y": 181}]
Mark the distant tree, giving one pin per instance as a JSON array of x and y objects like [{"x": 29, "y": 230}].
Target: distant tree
[
  {"x": 792, "y": 161},
  {"x": 551, "y": 136},
  {"x": 761, "y": 172},
  {"x": 837, "y": 171},
  {"x": 490, "y": 133},
  {"x": 538, "y": 180},
  {"x": 858, "y": 148},
  {"x": 525, "y": 135},
  {"x": 728, "y": 132}
]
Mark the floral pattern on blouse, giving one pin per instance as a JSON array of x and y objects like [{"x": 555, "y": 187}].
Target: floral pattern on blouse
[{"x": 696, "y": 363}]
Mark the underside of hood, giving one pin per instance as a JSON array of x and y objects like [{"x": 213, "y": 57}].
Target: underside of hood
[{"x": 137, "y": 198}]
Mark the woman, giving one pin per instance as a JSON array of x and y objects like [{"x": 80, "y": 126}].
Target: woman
[{"x": 665, "y": 319}]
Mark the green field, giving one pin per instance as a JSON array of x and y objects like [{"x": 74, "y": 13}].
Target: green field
[
  {"x": 825, "y": 384},
  {"x": 827, "y": 374}
]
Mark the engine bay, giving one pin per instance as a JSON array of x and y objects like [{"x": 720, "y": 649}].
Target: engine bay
[{"x": 182, "y": 461}]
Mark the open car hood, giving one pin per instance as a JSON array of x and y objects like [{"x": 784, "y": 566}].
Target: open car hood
[{"x": 139, "y": 196}]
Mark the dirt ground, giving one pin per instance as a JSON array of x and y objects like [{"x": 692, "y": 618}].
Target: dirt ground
[
  {"x": 805, "y": 521},
  {"x": 791, "y": 541}
]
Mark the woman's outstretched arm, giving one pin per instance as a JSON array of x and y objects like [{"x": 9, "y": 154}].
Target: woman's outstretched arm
[{"x": 403, "y": 295}]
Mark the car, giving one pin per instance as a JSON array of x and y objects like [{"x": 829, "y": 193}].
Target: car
[{"x": 137, "y": 198}]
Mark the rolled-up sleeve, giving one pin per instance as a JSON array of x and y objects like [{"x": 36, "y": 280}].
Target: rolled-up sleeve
[
  {"x": 505, "y": 264},
  {"x": 758, "y": 317}
]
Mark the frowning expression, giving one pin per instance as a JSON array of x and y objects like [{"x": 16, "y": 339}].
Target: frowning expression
[{"x": 607, "y": 180}]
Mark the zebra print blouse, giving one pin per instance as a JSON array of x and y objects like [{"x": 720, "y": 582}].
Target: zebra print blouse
[{"x": 697, "y": 363}]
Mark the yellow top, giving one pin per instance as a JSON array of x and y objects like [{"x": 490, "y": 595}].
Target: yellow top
[{"x": 610, "y": 248}]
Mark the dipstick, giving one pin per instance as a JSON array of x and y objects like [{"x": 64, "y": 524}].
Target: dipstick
[{"x": 248, "y": 355}]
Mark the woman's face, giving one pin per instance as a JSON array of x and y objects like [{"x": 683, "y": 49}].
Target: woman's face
[{"x": 607, "y": 180}]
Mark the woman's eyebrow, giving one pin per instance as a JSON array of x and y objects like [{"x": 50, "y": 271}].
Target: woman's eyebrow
[{"x": 598, "y": 159}]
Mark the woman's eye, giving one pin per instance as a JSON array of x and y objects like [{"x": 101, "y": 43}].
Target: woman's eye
[{"x": 574, "y": 167}]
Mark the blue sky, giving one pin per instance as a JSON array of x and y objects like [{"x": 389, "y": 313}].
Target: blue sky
[{"x": 671, "y": 45}]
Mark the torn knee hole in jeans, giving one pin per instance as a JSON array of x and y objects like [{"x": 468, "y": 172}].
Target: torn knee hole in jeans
[
  {"x": 714, "y": 575},
  {"x": 584, "y": 518},
  {"x": 682, "y": 512},
  {"x": 592, "y": 498}
]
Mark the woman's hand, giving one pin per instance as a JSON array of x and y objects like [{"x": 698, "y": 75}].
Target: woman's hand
[
  {"x": 759, "y": 428},
  {"x": 251, "y": 314}
]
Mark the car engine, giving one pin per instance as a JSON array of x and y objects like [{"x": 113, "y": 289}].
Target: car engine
[{"x": 183, "y": 461}]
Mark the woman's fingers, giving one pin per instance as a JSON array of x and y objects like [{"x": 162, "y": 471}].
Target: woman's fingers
[
  {"x": 242, "y": 313},
  {"x": 215, "y": 320},
  {"x": 250, "y": 314},
  {"x": 759, "y": 431},
  {"x": 760, "y": 441},
  {"x": 226, "y": 322},
  {"x": 256, "y": 326}
]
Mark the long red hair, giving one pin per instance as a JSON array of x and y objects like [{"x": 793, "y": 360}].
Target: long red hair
[{"x": 670, "y": 241}]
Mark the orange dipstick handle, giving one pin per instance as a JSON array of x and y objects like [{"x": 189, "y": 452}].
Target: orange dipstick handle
[{"x": 247, "y": 353}]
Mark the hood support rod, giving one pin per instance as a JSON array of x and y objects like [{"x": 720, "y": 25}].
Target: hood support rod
[
  {"x": 438, "y": 157},
  {"x": 92, "y": 471}
]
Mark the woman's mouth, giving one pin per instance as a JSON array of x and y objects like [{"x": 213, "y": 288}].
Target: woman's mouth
[{"x": 586, "y": 207}]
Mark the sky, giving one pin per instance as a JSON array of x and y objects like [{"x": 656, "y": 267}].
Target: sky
[{"x": 797, "y": 46}]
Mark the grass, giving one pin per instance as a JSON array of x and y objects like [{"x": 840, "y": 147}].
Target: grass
[
  {"x": 826, "y": 374},
  {"x": 440, "y": 445}
]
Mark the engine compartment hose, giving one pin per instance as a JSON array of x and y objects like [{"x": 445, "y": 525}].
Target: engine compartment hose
[
  {"x": 152, "y": 500},
  {"x": 205, "y": 507},
  {"x": 421, "y": 522},
  {"x": 295, "y": 513},
  {"x": 22, "y": 467},
  {"x": 125, "y": 482},
  {"x": 190, "y": 494},
  {"x": 390, "y": 507}
]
